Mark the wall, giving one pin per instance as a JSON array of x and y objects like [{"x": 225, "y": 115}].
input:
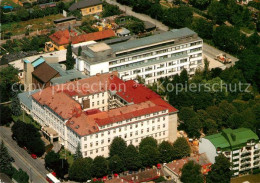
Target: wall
[
  {"x": 91, "y": 10},
  {"x": 206, "y": 146}
]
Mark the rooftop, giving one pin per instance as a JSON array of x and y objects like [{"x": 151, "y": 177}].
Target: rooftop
[
  {"x": 99, "y": 47},
  {"x": 230, "y": 139},
  {"x": 141, "y": 101},
  {"x": 147, "y": 41},
  {"x": 26, "y": 98},
  {"x": 84, "y": 4},
  {"x": 44, "y": 72}
]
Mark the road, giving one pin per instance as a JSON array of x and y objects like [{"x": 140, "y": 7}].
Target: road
[
  {"x": 143, "y": 17},
  {"x": 34, "y": 167}
]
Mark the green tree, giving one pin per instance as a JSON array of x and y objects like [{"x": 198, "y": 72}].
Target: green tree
[
  {"x": 116, "y": 165},
  {"x": 99, "y": 167},
  {"x": 132, "y": 158},
  {"x": 81, "y": 169},
  {"x": 220, "y": 170},
  {"x": 218, "y": 12},
  {"x": 50, "y": 159},
  {"x": 193, "y": 127},
  {"x": 210, "y": 127},
  {"x": 5, "y": 115},
  {"x": 5, "y": 159},
  {"x": 148, "y": 141},
  {"x": 184, "y": 77},
  {"x": 78, "y": 153},
  {"x": 15, "y": 105},
  {"x": 117, "y": 147},
  {"x": 203, "y": 27},
  {"x": 70, "y": 60},
  {"x": 149, "y": 155},
  {"x": 201, "y": 4},
  {"x": 21, "y": 176},
  {"x": 181, "y": 148},
  {"x": 191, "y": 172},
  {"x": 8, "y": 77},
  {"x": 186, "y": 113},
  {"x": 166, "y": 152},
  {"x": 79, "y": 51}
]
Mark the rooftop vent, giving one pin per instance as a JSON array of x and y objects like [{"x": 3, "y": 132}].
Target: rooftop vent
[
  {"x": 77, "y": 127},
  {"x": 71, "y": 122}
]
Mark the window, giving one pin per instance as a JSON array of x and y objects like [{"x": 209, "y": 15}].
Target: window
[
  {"x": 119, "y": 129},
  {"x": 96, "y": 135},
  {"x": 86, "y": 153},
  {"x": 96, "y": 143},
  {"x": 158, "y": 127},
  {"x": 91, "y": 144},
  {"x": 85, "y": 138},
  {"x": 153, "y": 128},
  {"x": 136, "y": 133},
  {"x": 131, "y": 126},
  {"x": 103, "y": 94},
  {"x": 96, "y": 150},
  {"x": 147, "y": 129},
  {"x": 108, "y": 132},
  {"x": 93, "y": 104},
  {"x": 108, "y": 140},
  {"x": 136, "y": 125},
  {"x": 163, "y": 125},
  {"x": 93, "y": 96},
  {"x": 114, "y": 131},
  {"x": 125, "y": 136},
  {"x": 131, "y": 134},
  {"x": 97, "y": 102},
  {"x": 91, "y": 152},
  {"x": 102, "y": 149},
  {"x": 142, "y": 131},
  {"x": 102, "y": 141},
  {"x": 103, "y": 101}
]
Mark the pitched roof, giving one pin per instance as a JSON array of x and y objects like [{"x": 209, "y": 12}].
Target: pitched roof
[
  {"x": 141, "y": 101},
  {"x": 44, "y": 72},
  {"x": 232, "y": 139},
  {"x": 63, "y": 37},
  {"x": 84, "y": 4}
]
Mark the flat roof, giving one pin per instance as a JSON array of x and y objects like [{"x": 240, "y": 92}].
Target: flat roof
[
  {"x": 98, "y": 47},
  {"x": 165, "y": 36}
]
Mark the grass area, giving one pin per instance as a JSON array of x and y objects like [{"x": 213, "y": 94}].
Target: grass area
[
  {"x": 17, "y": 28},
  {"x": 9, "y": 3},
  {"x": 250, "y": 178},
  {"x": 27, "y": 119},
  {"x": 64, "y": 153}
]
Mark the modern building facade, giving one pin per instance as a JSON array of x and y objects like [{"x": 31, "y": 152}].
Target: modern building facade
[
  {"x": 93, "y": 111},
  {"x": 241, "y": 146},
  {"x": 152, "y": 57}
]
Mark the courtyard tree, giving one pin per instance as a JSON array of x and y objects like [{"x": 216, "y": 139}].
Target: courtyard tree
[
  {"x": 191, "y": 172},
  {"x": 99, "y": 167},
  {"x": 166, "y": 152},
  {"x": 117, "y": 147},
  {"x": 116, "y": 165},
  {"x": 181, "y": 148},
  {"x": 81, "y": 169},
  {"x": 132, "y": 158}
]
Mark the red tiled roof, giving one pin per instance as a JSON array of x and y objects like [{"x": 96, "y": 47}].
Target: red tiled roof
[
  {"x": 63, "y": 37},
  {"x": 59, "y": 99}
]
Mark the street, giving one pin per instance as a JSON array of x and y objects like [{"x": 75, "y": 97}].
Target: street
[{"x": 34, "y": 167}]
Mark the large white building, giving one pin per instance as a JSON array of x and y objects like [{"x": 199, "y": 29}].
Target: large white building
[
  {"x": 152, "y": 57},
  {"x": 93, "y": 111},
  {"x": 241, "y": 147}
]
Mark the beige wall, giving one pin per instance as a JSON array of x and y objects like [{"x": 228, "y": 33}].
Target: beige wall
[
  {"x": 92, "y": 10},
  {"x": 173, "y": 127}
]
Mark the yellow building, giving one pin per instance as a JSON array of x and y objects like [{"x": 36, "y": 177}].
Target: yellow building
[{"x": 87, "y": 7}]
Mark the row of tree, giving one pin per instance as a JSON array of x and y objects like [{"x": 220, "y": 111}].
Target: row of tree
[
  {"x": 130, "y": 158},
  {"x": 7, "y": 168},
  {"x": 28, "y": 136}
]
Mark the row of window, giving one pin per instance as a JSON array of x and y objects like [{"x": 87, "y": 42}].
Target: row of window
[{"x": 153, "y": 53}]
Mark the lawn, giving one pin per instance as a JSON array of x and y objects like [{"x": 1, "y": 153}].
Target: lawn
[
  {"x": 27, "y": 119},
  {"x": 17, "y": 28},
  {"x": 250, "y": 178},
  {"x": 68, "y": 156}
]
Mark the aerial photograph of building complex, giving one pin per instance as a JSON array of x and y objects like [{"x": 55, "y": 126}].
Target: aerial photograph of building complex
[{"x": 130, "y": 91}]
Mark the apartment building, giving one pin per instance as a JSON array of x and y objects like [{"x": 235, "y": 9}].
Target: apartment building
[
  {"x": 152, "y": 57},
  {"x": 93, "y": 111},
  {"x": 241, "y": 146}
]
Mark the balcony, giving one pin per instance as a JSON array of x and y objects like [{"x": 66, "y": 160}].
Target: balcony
[
  {"x": 236, "y": 151},
  {"x": 235, "y": 157},
  {"x": 235, "y": 162}
]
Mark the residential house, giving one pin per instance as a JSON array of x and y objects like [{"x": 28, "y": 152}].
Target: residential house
[{"x": 87, "y": 7}]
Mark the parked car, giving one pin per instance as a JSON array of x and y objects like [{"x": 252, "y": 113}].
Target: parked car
[{"x": 34, "y": 156}]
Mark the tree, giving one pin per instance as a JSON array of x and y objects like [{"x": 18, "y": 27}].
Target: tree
[
  {"x": 132, "y": 158},
  {"x": 8, "y": 77},
  {"x": 5, "y": 115},
  {"x": 78, "y": 153},
  {"x": 201, "y": 4},
  {"x": 218, "y": 12},
  {"x": 21, "y": 176},
  {"x": 99, "y": 167},
  {"x": 117, "y": 147},
  {"x": 148, "y": 141},
  {"x": 15, "y": 105},
  {"x": 186, "y": 113},
  {"x": 70, "y": 60},
  {"x": 116, "y": 165},
  {"x": 36, "y": 146},
  {"x": 79, "y": 51},
  {"x": 228, "y": 39},
  {"x": 191, "y": 172},
  {"x": 166, "y": 152},
  {"x": 50, "y": 159},
  {"x": 110, "y": 10},
  {"x": 181, "y": 148},
  {"x": 149, "y": 155},
  {"x": 210, "y": 127},
  {"x": 184, "y": 77},
  {"x": 5, "y": 159},
  {"x": 81, "y": 169},
  {"x": 61, "y": 168},
  {"x": 220, "y": 170},
  {"x": 203, "y": 27}
]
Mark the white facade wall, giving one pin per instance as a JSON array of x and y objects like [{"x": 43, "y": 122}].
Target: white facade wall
[
  {"x": 159, "y": 125},
  {"x": 152, "y": 72}
]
